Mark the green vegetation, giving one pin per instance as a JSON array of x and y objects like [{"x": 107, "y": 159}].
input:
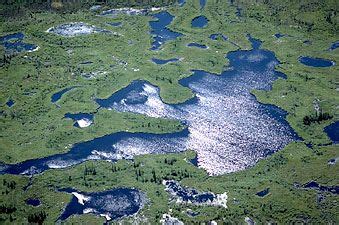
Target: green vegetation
[
  {"x": 284, "y": 204},
  {"x": 34, "y": 127}
]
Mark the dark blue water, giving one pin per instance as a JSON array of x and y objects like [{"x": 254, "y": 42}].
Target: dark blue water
[
  {"x": 217, "y": 36},
  {"x": 79, "y": 116},
  {"x": 238, "y": 13},
  {"x": 116, "y": 24},
  {"x": 197, "y": 45},
  {"x": 112, "y": 204},
  {"x": 202, "y": 4},
  {"x": 14, "y": 43},
  {"x": 86, "y": 62},
  {"x": 181, "y": 2},
  {"x": 278, "y": 35},
  {"x": 227, "y": 127},
  {"x": 316, "y": 186},
  {"x": 130, "y": 95},
  {"x": 334, "y": 45},
  {"x": 10, "y": 103},
  {"x": 199, "y": 22},
  {"x": 332, "y": 132},
  {"x": 33, "y": 202},
  {"x": 159, "y": 30},
  {"x": 263, "y": 193},
  {"x": 188, "y": 194},
  {"x": 164, "y": 61},
  {"x": 56, "y": 97},
  {"x": 307, "y": 42},
  {"x": 315, "y": 62}
]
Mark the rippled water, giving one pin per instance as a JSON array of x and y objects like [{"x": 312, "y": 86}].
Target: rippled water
[
  {"x": 112, "y": 204},
  {"x": 159, "y": 29},
  {"x": 75, "y": 29},
  {"x": 227, "y": 127}
]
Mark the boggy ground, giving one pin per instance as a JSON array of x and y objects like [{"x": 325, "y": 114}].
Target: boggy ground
[{"x": 34, "y": 127}]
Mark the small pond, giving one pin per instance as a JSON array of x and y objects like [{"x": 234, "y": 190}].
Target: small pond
[
  {"x": 116, "y": 24},
  {"x": 315, "y": 62},
  {"x": 200, "y": 22},
  {"x": 202, "y": 4},
  {"x": 113, "y": 204},
  {"x": 313, "y": 185},
  {"x": 192, "y": 196},
  {"x": 197, "y": 45},
  {"x": 10, "y": 103},
  {"x": 334, "y": 45},
  {"x": 181, "y": 2},
  {"x": 33, "y": 202},
  {"x": 164, "y": 61},
  {"x": 14, "y": 43},
  {"x": 81, "y": 119},
  {"x": 215, "y": 37},
  {"x": 57, "y": 96},
  {"x": 332, "y": 132},
  {"x": 263, "y": 193},
  {"x": 159, "y": 29}
]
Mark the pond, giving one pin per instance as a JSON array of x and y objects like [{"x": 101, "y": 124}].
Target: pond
[
  {"x": 57, "y": 96},
  {"x": 279, "y": 35},
  {"x": 332, "y": 132},
  {"x": 202, "y": 4},
  {"x": 315, "y": 62},
  {"x": 181, "y": 2},
  {"x": 189, "y": 195},
  {"x": 10, "y": 103},
  {"x": 112, "y": 204},
  {"x": 159, "y": 30},
  {"x": 215, "y": 37},
  {"x": 115, "y": 24},
  {"x": 226, "y": 126},
  {"x": 313, "y": 185},
  {"x": 197, "y": 45},
  {"x": 14, "y": 43},
  {"x": 200, "y": 22},
  {"x": 334, "y": 45},
  {"x": 33, "y": 202},
  {"x": 263, "y": 193},
  {"x": 164, "y": 61},
  {"x": 81, "y": 119}
]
